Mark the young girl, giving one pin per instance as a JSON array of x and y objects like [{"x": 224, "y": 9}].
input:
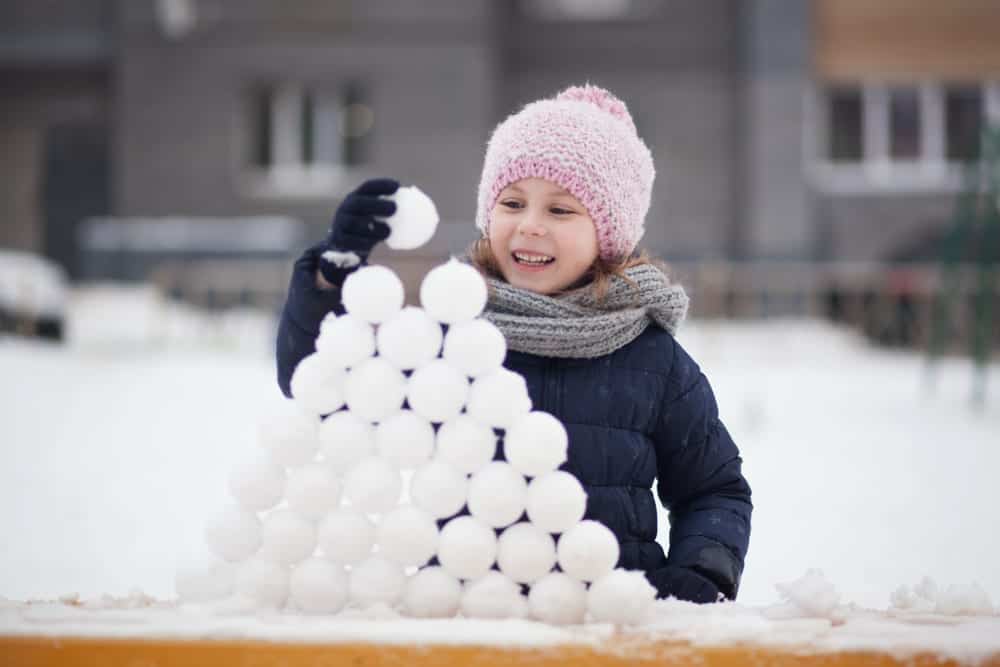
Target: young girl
[{"x": 589, "y": 323}]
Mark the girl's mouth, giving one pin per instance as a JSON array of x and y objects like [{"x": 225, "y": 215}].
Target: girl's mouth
[{"x": 531, "y": 261}]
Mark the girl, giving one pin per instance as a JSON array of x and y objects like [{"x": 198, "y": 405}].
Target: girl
[{"x": 589, "y": 323}]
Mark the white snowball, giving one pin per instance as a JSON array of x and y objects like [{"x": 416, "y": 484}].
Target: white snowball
[
  {"x": 559, "y": 599},
  {"x": 345, "y": 439},
  {"x": 318, "y": 384},
  {"x": 234, "y": 534},
  {"x": 525, "y": 553},
  {"x": 467, "y": 547},
  {"x": 437, "y": 391},
  {"x": 624, "y": 597},
  {"x": 264, "y": 582},
  {"x": 535, "y": 444},
  {"x": 498, "y": 398},
  {"x": 453, "y": 292},
  {"x": 405, "y": 439},
  {"x": 475, "y": 348},
  {"x": 346, "y": 340},
  {"x": 409, "y": 339},
  {"x": 373, "y": 293},
  {"x": 287, "y": 537},
  {"x": 313, "y": 490},
  {"x": 346, "y": 536},
  {"x": 415, "y": 220},
  {"x": 587, "y": 551},
  {"x": 373, "y": 486},
  {"x": 439, "y": 489},
  {"x": 493, "y": 596},
  {"x": 466, "y": 444},
  {"x": 257, "y": 485},
  {"x": 556, "y": 501},
  {"x": 497, "y": 494},
  {"x": 375, "y": 389},
  {"x": 407, "y": 535},
  {"x": 317, "y": 586},
  {"x": 432, "y": 593},
  {"x": 205, "y": 582},
  {"x": 377, "y": 580},
  {"x": 290, "y": 436}
]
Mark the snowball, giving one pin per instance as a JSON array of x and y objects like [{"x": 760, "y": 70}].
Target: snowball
[
  {"x": 465, "y": 443},
  {"x": 432, "y": 593},
  {"x": 233, "y": 535},
  {"x": 287, "y": 537},
  {"x": 453, "y": 292},
  {"x": 264, "y": 582},
  {"x": 317, "y": 586},
  {"x": 318, "y": 384},
  {"x": 535, "y": 444},
  {"x": 494, "y": 596},
  {"x": 409, "y": 339},
  {"x": 498, "y": 398},
  {"x": 556, "y": 501},
  {"x": 373, "y": 486},
  {"x": 559, "y": 599},
  {"x": 437, "y": 391},
  {"x": 375, "y": 389},
  {"x": 313, "y": 490},
  {"x": 205, "y": 582},
  {"x": 377, "y": 580},
  {"x": 497, "y": 494},
  {"x": 624, "y": 597},
  {"x": 587, "y": 551},
  {"x": 290, "y": 436},
  {"x": 475, "y": 348},
  {"x": 373, "y": 293},
  {"x": 439, "y": 489},
  {"x": 345, "y": 439},
  {"x": 407, "y": 535},
  {"x": 415, "y": 220},
  {"x": 346, "y": 536},
  {"x": 467, "y": 547},
  {"x": 525, "y": 553},
  {"x": 345, "y": 340},
  {"x": 967, "y": 600},
  {"x": 405, "y": 439},
  {"x": 257, "y": 485}
]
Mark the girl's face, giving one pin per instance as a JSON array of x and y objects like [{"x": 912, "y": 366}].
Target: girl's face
[{"x": 542, "y": 238}]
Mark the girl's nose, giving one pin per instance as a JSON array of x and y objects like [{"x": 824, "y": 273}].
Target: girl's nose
[{"x": 531, "y": 226}]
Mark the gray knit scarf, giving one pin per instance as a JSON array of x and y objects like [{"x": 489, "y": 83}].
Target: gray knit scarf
[{"x": 575, "y": 325}]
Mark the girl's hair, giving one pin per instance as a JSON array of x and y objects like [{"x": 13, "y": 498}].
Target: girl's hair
[{"x": 598, "y": 276}]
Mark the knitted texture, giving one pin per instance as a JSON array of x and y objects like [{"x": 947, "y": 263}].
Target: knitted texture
[
  {"x": 585, "y": 141},
  {"x": 575, "y": 325}
]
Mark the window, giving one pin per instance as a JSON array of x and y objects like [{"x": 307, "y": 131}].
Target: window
[
  {"x": 963, "y": 114},
  {"x": 904, "y": 124},
  {"x": 845, "y": 125}
]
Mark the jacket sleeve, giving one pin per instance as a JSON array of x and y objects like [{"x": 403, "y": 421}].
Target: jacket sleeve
[
  {"x": 305, "y": 307},
  {"x": 701, "y": 484}
]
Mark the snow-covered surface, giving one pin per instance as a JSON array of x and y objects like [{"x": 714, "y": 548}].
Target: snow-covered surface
[
  {"x": 31, "y": 285},
  {"x": 118, "y": 445}
]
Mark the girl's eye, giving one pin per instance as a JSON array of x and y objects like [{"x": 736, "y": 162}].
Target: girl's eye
[
  {"x": 561, "y": 211},
  {"x": 511, "y": 204}
]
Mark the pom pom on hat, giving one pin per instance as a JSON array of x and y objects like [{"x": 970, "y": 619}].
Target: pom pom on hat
[{"x": 599, "y": 98}]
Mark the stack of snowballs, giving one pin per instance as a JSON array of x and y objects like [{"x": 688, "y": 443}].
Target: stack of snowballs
[{"x": 393, "y": 431}]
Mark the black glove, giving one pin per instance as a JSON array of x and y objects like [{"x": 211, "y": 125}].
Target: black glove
[{"x": 355, "y": 231}]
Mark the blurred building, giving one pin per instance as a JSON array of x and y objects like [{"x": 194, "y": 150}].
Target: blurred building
[{"x": 781, "y": 130}]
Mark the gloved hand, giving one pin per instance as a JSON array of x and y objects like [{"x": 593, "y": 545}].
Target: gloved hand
[
  {"x": 355, "y": 231},
  {"x": 684, "y": 584}
]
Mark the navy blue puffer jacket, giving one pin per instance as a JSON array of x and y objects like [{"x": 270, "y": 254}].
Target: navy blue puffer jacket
[{"x": 643, "y": 413}]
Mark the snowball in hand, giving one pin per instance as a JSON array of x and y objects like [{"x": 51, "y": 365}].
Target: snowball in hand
[
  {"x": 559, "y": 599},
  {"x": 289, "y": 435},
  {"x": 287, "y": 537},
  {"x": 377, "y": 580},
  {"x": 405, "y": 439},
  {"x": 407, "y": 535},
  {"x": 494, "y": 596},
  {"x": 257, "y": 485},
  {"x": 346, "y": 536},
  {"x": 375, "y": 389},
  {"x": 437, "y": 391},
  {"x": 409, "y": 339},
  {"x": 439, "y": 489},
  {"x": 432, "y": 593},
  {"x": 498, "y": 398},
  {"x": 587, "y": 551},
  {"x": 415, "y": 220},
  {"x": 313, "y": 490},
  {"x": 467, "y": 547},
  {"x": 317, "y": 586},
  {"x": 345, "y": 439},
  {"x": 346, "y": 340},
  {"x": 475, "y": 347},
  {"x": 234, "y": 534},
  {"x": 263, "y": 582},
  {"x": 556, "y": 501},
  {"x": 373, "y": 293},
  {"x": 453, "y": 292},
  {"x": 373, "y": 486},
  {"x": 318, "y": 384},
  {"x": 497, "y": 494},
  {"x": 525, "y": 553},
  {"x": 535, "y": 444},
  {"x": 466, "y": 444},
  {"x": 624, "y": 597}
]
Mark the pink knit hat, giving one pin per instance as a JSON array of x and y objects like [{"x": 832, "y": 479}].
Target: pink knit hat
[{"x": 583, "y": 140}]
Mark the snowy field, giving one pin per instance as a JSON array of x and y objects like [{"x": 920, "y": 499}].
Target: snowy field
[{"x": 117, "y": 446}]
